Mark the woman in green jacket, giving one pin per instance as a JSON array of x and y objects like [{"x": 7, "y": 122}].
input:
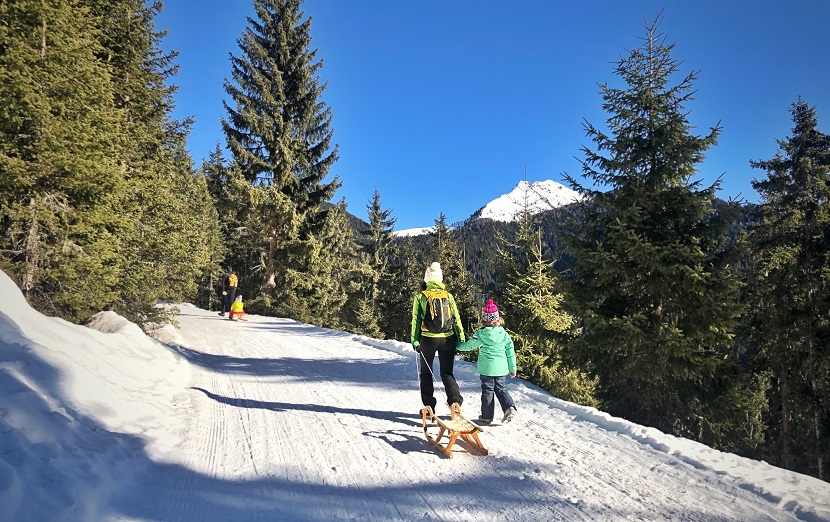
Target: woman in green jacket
[
  {"x": 436, "y": 328},
  {"x": 496, "y": 360}
]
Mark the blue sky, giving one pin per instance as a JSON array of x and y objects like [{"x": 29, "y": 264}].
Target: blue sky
[{"x": 444, "y": 105}]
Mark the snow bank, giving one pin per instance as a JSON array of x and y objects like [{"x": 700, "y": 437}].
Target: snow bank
[{"x": 80, "y": 409}]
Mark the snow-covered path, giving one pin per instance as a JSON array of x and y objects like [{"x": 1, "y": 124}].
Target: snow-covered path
[
  {"x": 293, "y": 422},
  {"x": 276, "y": 420}
]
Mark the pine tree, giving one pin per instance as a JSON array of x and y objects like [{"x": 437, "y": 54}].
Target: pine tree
[
  {"x": 215, "y": 171},
  {"x": 163, "y": 250},
  {"x": 789, "y": 297},
  {"x": 279, "y": 133},
  {"x": 240, "y": 207},
  {"x": 531, "y": 303},
  {"x": 366, "y": 320},
  {"x": 59, "y": 137},
  {"x": 218, "y": 180},
  {"x": 244, "y": 212},
  {"x": 446, "y": 250},
  {"x": 399, "y": 291},
  {"x": 651, "y": 282},
  {"x": 376, "y": 243},
  {"x": 332, "y": 278}
]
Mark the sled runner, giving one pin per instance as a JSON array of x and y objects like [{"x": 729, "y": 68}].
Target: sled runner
[{"x": 458, "y": 425}]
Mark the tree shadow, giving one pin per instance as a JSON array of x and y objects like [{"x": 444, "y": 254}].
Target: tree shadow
[
  {"x": 408, "y": 420},
  {"x": 360, "y": 371},
  {"x": 67, "y": 465}
]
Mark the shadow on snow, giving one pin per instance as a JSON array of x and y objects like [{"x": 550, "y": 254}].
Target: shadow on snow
[
  {"x": 93, "y": 473},
  {"x": 364, "y": 371}
]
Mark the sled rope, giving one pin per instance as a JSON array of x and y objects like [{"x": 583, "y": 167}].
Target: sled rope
[{"x": 434, "y": 379}]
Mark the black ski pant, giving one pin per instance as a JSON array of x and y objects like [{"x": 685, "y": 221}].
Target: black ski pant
[
  {"x": 445, "y": 348},
  {"x": 227, "y": 300}
]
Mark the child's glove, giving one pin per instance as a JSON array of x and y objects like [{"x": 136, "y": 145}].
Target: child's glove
[{"x": 416, "y": 345}]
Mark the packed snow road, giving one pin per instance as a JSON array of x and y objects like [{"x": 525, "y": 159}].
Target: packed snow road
[{"x": 288, "y": 421}]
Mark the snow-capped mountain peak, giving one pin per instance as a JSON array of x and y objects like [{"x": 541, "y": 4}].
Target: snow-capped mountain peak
[{"x": 538, "y": 197}]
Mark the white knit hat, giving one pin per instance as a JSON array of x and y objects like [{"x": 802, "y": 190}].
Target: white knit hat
[{"x": 434, "y": 273}]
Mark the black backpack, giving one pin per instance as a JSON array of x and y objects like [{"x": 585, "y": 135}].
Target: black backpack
[{"x": 438, "y": 317}]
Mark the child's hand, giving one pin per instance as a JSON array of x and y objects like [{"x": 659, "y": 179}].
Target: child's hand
[{"x": 512, "y": 374}]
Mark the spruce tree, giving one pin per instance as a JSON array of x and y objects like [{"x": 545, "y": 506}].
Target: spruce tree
[
  {"x": 651, "y": 280},
  {"x": 215, "y": 171},
  {"x": 279, "y": 133},
  {"x": 790, "y": 292},
  {"x": 445, "y": 249},
  {"x": 399, "y": 291},
  {"x": 59, "y": 174},
  {"x": 530, "y": 299},
  {"x": 376, "y": 243},
  {"x": 244, "y": 212},
  {"x": 239, "y": 222},
  {"x": 332, "y": 278},
  {"x": 164, "y": 250},
  {"x": 219, "y": 185}
]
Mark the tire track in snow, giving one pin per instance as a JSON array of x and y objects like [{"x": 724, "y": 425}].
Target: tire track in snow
[
  {"x": 337, "y": 462},
  {"x": 205, "y": 451}
]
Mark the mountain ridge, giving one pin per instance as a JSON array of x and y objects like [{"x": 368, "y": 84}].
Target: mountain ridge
[{"x": 537, "y": 197}]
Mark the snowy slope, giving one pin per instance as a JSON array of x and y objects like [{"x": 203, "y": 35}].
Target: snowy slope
[
  {"x": 413, "y": 231},
  {"x": 278, "y": 420},
  {"x": 538, "y": 196}
]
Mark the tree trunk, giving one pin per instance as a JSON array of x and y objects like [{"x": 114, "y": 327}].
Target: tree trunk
[
  {"x": 271, "y": 262},
  {"x": 30, "y": 249},
  {"x": 786, "y": 455},
  {"x": 822, "y": 420}
]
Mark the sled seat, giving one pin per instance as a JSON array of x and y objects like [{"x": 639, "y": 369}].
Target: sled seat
[{"x": 457, "y": 426}]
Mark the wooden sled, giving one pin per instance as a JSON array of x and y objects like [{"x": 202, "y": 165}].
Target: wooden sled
[{"x": 458, "y": 425}]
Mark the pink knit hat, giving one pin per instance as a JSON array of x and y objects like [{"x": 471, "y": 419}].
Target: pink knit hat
[{"x": 490, "y": 312}]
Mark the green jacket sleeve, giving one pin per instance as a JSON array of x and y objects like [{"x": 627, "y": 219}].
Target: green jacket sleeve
[
  {"x": 457, "y": 326},
  {"x": 510, "y": 351},
  {"x": 415, "y": 333},
  {"x": 468, "y": 346}
]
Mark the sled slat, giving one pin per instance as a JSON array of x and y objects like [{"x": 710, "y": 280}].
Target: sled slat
[{"x": 453, "y": 428}]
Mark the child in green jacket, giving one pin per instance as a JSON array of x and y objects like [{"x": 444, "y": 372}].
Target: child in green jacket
[{"x": 496, "y": 359}]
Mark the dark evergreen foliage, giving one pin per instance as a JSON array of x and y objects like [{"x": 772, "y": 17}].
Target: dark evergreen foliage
[
  {"x": 444, "y": 248},
  {"x": 375, "y": 241},
  {"x": 101, "y": 191},
  {"x": 279, "y": 133},
  {"x": 406, "y": 273},
  {"x": 652, "y": 281},
  {"x": 531, "y": 301},
  {"x": 789, "y": 319}
]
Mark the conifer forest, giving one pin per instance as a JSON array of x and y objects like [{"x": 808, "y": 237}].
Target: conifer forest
[{"x": 651, "y": 298}]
